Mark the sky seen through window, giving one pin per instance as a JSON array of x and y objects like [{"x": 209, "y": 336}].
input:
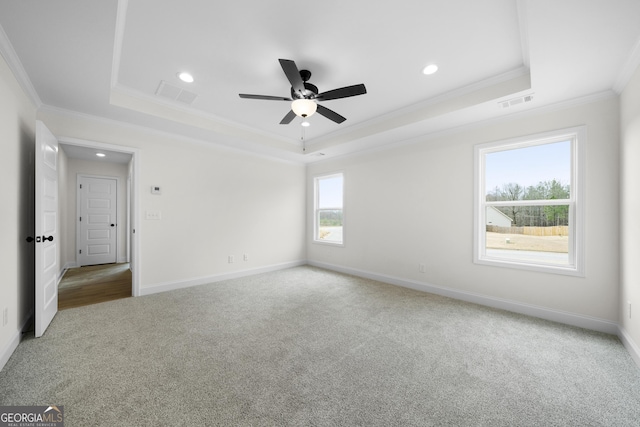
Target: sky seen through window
[{"x": 528, "y": 166}]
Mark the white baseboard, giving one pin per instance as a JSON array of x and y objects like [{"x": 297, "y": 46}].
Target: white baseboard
[
  {"x": 64, "y": 269},
  {"x": 7, "y": 351},
  {"x": 630, "y": 345},
  {"x": 170, "y": 286},
  {"x": 69, "y": 265},
  {"x": 573, "y": 319}
]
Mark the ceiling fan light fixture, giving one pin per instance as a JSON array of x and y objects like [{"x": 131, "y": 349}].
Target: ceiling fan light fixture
[
  {"x": 305, "y": 123},
  {"x": 304, "y": 95},
  {"x": 304, "y": 107}
]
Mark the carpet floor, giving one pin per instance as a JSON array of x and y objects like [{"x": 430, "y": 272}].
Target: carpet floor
[{"x": 310, "y": 347}]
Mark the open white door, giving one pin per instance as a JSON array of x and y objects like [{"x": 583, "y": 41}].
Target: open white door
[{"x": 46, "y": 292}]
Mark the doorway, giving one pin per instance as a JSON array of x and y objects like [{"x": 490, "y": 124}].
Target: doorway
[{"x": 99, "y": 246}]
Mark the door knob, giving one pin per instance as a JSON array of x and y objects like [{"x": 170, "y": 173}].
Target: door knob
[
  {"x": 30, "y": 239},
  {"x": 45, "y": 238},
  {"x": 113, "y": 225}
]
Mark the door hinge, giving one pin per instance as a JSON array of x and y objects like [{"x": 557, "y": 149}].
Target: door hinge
[
  {"x": 80, "y": 251},
  {"x": 80, "y": 219},
  {"x": 81, "y": 186}
]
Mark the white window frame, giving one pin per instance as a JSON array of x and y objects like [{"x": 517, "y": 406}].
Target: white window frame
[
  {"x": 316, "y": 209},
  {"x": 576, "y": 266}
]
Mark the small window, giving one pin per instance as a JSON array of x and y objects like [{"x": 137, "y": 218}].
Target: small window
[
  {"x": 528, "y": 203},
  {"x": 329, "y": 212}
]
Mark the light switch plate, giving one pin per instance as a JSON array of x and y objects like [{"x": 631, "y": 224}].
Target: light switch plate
[{"x": 154, "y": 215}]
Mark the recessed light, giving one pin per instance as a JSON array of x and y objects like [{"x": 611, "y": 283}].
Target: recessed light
[
  {"x": 185, "y": 77},
  {"x": 100, "y": 154},
  {"x": 430, "y": 69}
]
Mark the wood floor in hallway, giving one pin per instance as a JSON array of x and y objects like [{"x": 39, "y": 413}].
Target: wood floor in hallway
[{"x": 94, "y": 284}]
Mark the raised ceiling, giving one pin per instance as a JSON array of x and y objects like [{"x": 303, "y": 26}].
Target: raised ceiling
[{"x": 108, "y": 59}]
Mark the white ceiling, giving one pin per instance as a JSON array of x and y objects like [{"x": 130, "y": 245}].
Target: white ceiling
[
  {"x": 75, "y": 151},
  {"x": 107, "y": 59}
]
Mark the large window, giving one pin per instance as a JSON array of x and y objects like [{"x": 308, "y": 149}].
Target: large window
[
  {"x": 329, "y": 212},
  {"x": 529, "y": 204}
]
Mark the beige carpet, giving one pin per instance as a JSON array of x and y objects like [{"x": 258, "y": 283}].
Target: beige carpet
[{"x": 310, "y": 347}]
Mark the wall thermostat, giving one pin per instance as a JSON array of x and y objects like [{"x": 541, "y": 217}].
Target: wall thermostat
[{"x": 155, "y": 190}]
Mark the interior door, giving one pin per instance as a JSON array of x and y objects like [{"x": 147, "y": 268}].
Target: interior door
[
  {"x": 46, "y": 213},
  {"x": 97, "y": 225}
]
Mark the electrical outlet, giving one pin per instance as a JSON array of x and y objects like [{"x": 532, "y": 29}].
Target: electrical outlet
[
  {"x": 422, "y": 268},
  {"x": 246, "y": 257},
  {"x": 230, "y": 259},
  {"x": 5, "y": 316}
]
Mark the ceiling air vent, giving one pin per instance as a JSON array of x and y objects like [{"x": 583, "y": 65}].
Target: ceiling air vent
[
  {"x": 516, "y": 101},
  {"x": 175, "y": 93}
]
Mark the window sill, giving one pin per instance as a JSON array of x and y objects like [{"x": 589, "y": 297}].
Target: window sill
[
  {"x": 568, "y": 270},
  {"x": 327, "y": 243}
]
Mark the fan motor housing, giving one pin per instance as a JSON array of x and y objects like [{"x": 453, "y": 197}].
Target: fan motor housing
[{"x": 311, "y": 90}]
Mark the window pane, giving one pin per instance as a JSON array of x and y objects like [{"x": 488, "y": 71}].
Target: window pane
[
  {"x": 539, "y": 235},
  {"x": 330, "y": 192},
  {"x": 540, "y": 172},
  {"x": 528, "y": 216},
  {"x": 330, "y": 225}
]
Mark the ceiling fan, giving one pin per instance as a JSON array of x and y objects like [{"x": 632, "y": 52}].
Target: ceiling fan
[{"x": 304, "y": 95}]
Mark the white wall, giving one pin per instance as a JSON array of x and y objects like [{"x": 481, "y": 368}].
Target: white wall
[
  {"x": 215, "y": 202},
  {"x": 86, "y": 167},
  {"x": 630, "y": 211},
  {"x": 17, "y": 136},
  {"x": 413, "y": 204}
]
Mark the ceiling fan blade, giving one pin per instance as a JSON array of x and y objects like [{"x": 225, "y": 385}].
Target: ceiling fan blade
[
  {"x": 330, "y": 114},
  {"x": 293, "y": 74},
  {"x": 267, "y": 97},
  {"x": 288, "y": 118},
  {"x": 343, "y": 92}
]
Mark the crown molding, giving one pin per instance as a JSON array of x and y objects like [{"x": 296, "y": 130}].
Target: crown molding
[
  {"x": 139, "y": 99},
  {"x": 431, "y": 136},
  {"x": 294, "y": 159},
  {"x": 520, "y": 77},
  {"x": 15, "y": 65},
  {"x": 629, "y": 68},
  {"x": 523, "y": 26},
  {"x": 121, "y": 19},
  {"x": 545, "y": 109}
]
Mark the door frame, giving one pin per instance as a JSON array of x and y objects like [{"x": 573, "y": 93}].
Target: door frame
[
  {"x": 133, "y": 202},
  {"x": 80, "y": 176}
]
